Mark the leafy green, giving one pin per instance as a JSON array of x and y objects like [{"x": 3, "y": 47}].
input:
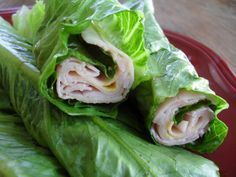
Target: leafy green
[
  {"x": 19, "y": 154},
  {"x": 5, "y": 104},
  {"x": 115, "y": 24},
  {"x": 91, "y": 54},
  {"x": 170, "y": 72},
  {"x": 87, "y": 146},
  {"x": 27, "y": 21},
  {"x": 215, "y": 135}
]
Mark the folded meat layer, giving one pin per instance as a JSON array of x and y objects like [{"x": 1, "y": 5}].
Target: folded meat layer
[
  {"x": 86, "y": 83},
  {"x": 193, "y": 125}
]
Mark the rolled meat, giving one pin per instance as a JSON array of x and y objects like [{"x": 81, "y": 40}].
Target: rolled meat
[
  {"x": 89, "y": 56},
  {"x": 193, "y": 125},
  {"x": 86, "y": 83}
]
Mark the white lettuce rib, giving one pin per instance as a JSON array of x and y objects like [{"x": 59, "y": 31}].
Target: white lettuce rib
[
  {"x": 193, "y": 126},
  {"x": 84, "y": 82}
]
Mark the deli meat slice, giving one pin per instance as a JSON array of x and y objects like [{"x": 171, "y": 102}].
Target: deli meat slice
[
  {"x": 86, "y": 83},
  {"x": 194, "y": 124}
]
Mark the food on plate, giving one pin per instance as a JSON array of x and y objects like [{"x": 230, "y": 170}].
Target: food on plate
[
  {"x": 179, "y": 107},
  {"x": 85, "y": 146},
  {"x": 89, "y": 53}
]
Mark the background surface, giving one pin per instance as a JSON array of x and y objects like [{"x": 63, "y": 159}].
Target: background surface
[{"x": 211, "y": 22}]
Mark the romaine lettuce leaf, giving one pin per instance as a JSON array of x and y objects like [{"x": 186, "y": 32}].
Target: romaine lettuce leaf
[
  {"x": 19, "y": 154},
  {"x": 171, "y": 73},
  {"x": 88, "y": 146},
  {"x": 27, "y": 21}
]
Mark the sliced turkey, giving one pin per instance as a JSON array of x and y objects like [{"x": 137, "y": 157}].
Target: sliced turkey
[
  {"x": 193, "y": 125},
  {"x": 86, "y": 83}
]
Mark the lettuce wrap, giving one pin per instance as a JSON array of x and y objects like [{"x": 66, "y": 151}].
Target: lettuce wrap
[
  {"x": 85, "y": 146},
  {"x": 19, "y": 154},
  {"x": 178, "y": 105},
  {"x": 89, "y": 53}
]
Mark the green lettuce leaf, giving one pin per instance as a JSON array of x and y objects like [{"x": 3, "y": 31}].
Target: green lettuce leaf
[
  {"x": 19, "y": 154},
  {"x": 216, "y": 134},
  {"x": 171, "y": 72},
  {"x": 4, "y": 101},
  {"x": 120, "y": 27},
  {"x": 27, "y": 21},
  {"x": 88, "y": 146}
]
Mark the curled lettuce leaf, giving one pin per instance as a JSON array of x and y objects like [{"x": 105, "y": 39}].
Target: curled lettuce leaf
[
  {"x": 172, "y": 73},
  {"x": 27, "y": 21},
  {"x": 116, "y": 25},
  {"x": 87, "y": 146}
]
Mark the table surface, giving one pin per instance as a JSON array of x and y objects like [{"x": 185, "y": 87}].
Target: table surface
[{"x": 211, "y": 22}]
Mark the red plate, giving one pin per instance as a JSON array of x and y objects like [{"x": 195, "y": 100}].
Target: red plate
[{"x": 222, "y": 81}]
